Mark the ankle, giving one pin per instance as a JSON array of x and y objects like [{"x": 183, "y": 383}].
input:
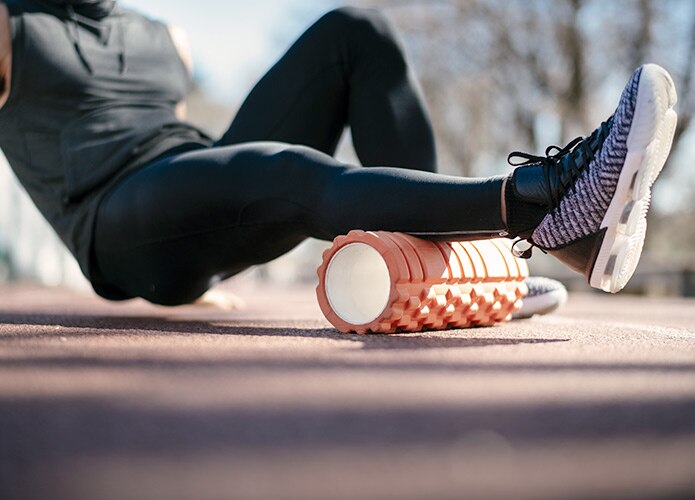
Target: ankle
[
  {"x": 520, "y": 217},
  {"x": 503, "y": 201}
]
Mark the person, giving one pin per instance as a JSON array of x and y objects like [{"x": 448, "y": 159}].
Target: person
[{"x": 92, "y": 124}]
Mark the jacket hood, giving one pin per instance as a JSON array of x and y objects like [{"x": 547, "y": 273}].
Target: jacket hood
[
  {"x": 93, "y": 9},
  {"x": 89, "y": 14}
]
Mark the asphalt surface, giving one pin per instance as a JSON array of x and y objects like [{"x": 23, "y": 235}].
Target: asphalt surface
[{"x": 115, "y": 401}]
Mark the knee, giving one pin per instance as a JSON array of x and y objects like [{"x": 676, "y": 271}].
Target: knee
[
  {"x": 366, "y": 25},
  {"x": 308, "y": 175},
  {"x": 357, "y": 17},
  {"x": 304, "y": 168}
]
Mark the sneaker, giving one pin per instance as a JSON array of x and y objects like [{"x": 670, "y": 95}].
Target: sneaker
[
  {"x": 544, "y": 296},
  {"x": 587, "y": 203}
]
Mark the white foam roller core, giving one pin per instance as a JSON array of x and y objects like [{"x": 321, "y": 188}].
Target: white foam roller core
[{"x": 357, "y": 283}]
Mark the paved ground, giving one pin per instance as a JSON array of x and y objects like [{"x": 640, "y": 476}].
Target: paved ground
[{"x": 103, "y": 401}]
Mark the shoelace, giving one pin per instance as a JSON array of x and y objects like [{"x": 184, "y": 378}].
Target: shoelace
[
  {"x": 525, "y": 253},
  {"x": 561, "y": 167}
]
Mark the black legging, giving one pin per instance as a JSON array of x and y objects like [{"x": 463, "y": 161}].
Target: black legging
[{"x": 174, "y": 227}]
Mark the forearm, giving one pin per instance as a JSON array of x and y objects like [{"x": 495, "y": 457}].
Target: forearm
[
  {"x": 181, "y": 110},
  {"x": 183, "y": 47}
]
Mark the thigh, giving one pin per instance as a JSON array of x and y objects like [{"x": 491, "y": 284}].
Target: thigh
[
  {"x": 303, "y": 98},
  {"x": 169, "y": 230}
]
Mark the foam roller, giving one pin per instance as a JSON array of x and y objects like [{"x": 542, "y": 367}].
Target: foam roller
[{"x": 384, "y": 282}]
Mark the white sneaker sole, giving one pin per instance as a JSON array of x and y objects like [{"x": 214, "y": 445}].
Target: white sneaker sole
[{"x": 648, "y": 146}]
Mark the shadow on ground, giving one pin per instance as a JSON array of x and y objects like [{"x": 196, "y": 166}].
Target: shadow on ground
[{"x": 80, "y": 325}]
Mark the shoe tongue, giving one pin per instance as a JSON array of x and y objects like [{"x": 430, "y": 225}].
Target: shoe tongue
[{"x": 531, "y": 184}]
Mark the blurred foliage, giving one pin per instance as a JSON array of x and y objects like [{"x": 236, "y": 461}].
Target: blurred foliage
[
  {"x": 505, "y": 75},
  {"x": 499, "y": 74}
]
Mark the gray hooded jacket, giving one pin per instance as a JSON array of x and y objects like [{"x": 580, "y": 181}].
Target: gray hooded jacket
[{"x": 93, "y": 95}]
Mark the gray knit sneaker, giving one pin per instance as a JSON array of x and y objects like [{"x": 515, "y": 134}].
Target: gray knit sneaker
[
  {"x": 544, "y": 296},
  {"x": 597, "y": 191}
]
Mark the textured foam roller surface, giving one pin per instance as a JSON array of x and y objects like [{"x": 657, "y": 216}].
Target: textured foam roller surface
[{"x": 383, "y": 282}]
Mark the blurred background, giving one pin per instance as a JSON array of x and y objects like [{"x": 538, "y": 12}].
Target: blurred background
[{"x": 498, "y": 75}]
